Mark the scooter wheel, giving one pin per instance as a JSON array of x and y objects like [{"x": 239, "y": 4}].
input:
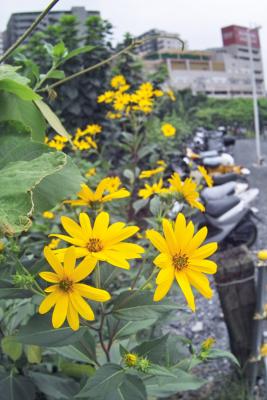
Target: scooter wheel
[{"x": 245, "y": 233}]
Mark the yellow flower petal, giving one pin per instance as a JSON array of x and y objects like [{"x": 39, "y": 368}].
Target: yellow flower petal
[
  {"x": 115, "y": 259},
  {"x": 170, "y": 236},
  {"x": 206, "y": 266},
  {"x": 205, "y": 251},
  {"x": 163, "y": 260},
  {"x": 72, "y": 228},
  {"x": 197, "y": 240},
  {"x": 76, "y": 242},
  {"x": 69, "y": 261},
  {"x": 183, "y": 282},
  {"x": 200, "y": 282},
  {"x": 157, "y": 240},
  {"x": 101, "y": 224},
  {"x": 48, "y": 302},
  {"x": 49, "y": 276},
  {"x": 85, "y": 225},
  {"x": 164, "y": 275},
  {"x": 60, "y": 310},
  {"x": 92, "y": 293},
  {"x": 73, "y": 317},
  {"x": 121, "y": 235},
  {"x": 81, "y": 306},
  {"x": 53, "y": 261},
  {"x": 162, "y": 290},
  {"x": 84, "y": 268}
]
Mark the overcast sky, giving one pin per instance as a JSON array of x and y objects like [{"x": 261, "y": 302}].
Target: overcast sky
[{"x": 197, "y": 21}]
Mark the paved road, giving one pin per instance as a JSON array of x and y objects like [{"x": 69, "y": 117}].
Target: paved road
[{"x": 245, "y": 154}]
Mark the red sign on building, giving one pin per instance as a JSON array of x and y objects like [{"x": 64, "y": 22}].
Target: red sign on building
[{"x": 234, "y": 34}]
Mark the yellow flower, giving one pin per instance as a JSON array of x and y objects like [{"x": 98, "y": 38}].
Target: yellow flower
[
  {"x": 182, "y": 259},
  {"x": 162, "y": 163},
  {"x": 263, "y": 350},
  {"x": 150, "y": 172},
  {"x": 168, "y": 130},
  {"x": 100, "y": 242},
  {"x": 262, "y": 255},
  {"x": 114, "y": 183},
  {"x": 206, "y": 176},
  {"x": 93, "y": 129},
  {"x": 90, "y": 172},
  {"x": 66, "y": 294},
  {"x": 171, "y": 94},
  {"x": 149, "y": 190},
  {"x": 106, "y": 97},
  {"x": 107, "y": 190},
  {"x": 118, "y": 81},
  {"x": 2, "y": 246},
  {"x": 58, "y": 142},
  {"x": 158, "y": 93},
  {"x": 187, "y": 190},
  {"x": 54, "y": 244},
  {"x": 208, "y": 343},
  {"x": 112, "y": 115},
  {"x": 121, "y": 100},
  {"x": 48, "y": 215},
  {"x": 130, "y": 359}
]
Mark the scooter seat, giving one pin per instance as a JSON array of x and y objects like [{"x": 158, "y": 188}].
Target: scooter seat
[
  {"x": 223, "y": 178},
  {"x": 216, "y": 208},
  {"x": 218, "y": 192},
  {"x": 212, "y": 162}
]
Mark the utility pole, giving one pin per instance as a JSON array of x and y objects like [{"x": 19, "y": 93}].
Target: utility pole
[{"x": 254, "y": 96}]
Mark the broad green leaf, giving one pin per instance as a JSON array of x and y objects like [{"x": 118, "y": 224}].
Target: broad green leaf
[
  {"x": 83, "y": 350},
  {"x": 129, "y": 175},
  {"x": 138, "y": 305},
  {"x": 20, "y": 90},
  {"x": 10, "y": 72},
  {"x": 52, "y": 118},
  {"x": 40, "y": 332},
  {"x": 103, "y": 384},
  {"x": 24, "y": 167},
  {"x": 153, "y": 349},
  {"x": 56, "y": 74},
  {"x": 217, "y": 353},
  {"x": 57, "y": 387},
  {"x": 11, "y": 347},
  {"x": 14, "y": 108},
  {"x": 155, "y": 205},
  {"x": 75, "y": 370},
  {"x": 59, "y": 50},
  {"x": 132, "y": 388},
  {"x": 128, "y": 328},
  {"x": 16, "y": 387},
  {"x": 33, "y": 354},
  {"x": 76, "y": 52},
  {"x": 139, "y": 204},
  {"x": 163, "y": 386},
  {"x": 8, "y": 291}
]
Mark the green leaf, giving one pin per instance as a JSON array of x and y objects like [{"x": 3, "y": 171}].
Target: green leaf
[
  {"x": 83, "y": 350},
  {"x": 153, "y": 349},
  {"x": 139, "y": 204},
  {"x": 20, "y": 90},
  {"x": 59, "y": 50},
  {"x": 76, "y": 52},
  {"x": 15, "y": 109},
  {"x": 155, "y": 205},
  {"x": 40, "y": 332},
  {"x": 11, "y": 347},
  {"x": 76, "y": 370},
  {"x": 10, "y": 72},
  {"x": 103, "y": 384},
  {"x": 55, "y": 386},
  {"x": 128, "y": 328},
  {"x": 33, "y": 354},
  {"x": 8, "y": 291},
  {"x": 129, "y": 175},
  {"x": 163, "y": 386},
  {"x": 52, "y": 119},
  {"x": 56, "y": 74},
  {"x": 13, "y": 387},
  {"x": 217, "y": 353},
  {"x": 24, "y": 166},
  {"x": 138, "y": 305},
  {"x": 132, "y": 388}
]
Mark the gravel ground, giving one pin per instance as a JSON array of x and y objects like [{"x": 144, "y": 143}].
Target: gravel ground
[{"x": 208, "y": 320}]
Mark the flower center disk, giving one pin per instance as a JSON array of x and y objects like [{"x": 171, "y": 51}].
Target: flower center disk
[
  {"x": 66, "y": 285},
  {"x": 94, "y": 245},
  {"x": 180, "y": 261}
]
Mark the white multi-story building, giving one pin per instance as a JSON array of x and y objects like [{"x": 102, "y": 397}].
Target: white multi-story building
[{"x": 223, "y": 72}]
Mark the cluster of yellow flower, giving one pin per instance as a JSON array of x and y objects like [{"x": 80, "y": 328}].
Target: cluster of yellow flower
[
  {"x": 82, "y": 140},
  {"x": 123, "y": 102},
  {"x": 184, "y": 190},
  {"x": 168, "y": 130},
  {"x": 183, "y": 258}
]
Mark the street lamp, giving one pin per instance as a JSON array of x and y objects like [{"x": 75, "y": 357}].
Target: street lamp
[{"x": 254, "y": 96}]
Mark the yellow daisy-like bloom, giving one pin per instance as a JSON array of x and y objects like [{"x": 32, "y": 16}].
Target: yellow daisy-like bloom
[
  {"x": 206, "y": 176},
  {"x": 48, "y": 215},
  {"x": 262, "y": 255},
  {"x": 168, "y": 130},
  {"x": 54, "y": 244},
  {"x": 208, "y": 343},
  {"x": 100, "y": 242},
  {"x": 118, "y": 81},
  {"x": 182, "y": 259},
  {"x": 92, "y": 129},
  {"x": 149, "y": 190},
  {"x": 90, "y": 172},
  {"x": 171, "y": 95},
  {"x": 58, "y": 142},
  {"x": 106, "y": 97},
  {"x": 187, "y": 190},
  {"x": 150, "y": 172},
  {"x": 130, "y": 359},
  {"x": 112, "y": 115},
  {"x": 66, "y": 294},
  {"x": 107, "y": 190}
]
